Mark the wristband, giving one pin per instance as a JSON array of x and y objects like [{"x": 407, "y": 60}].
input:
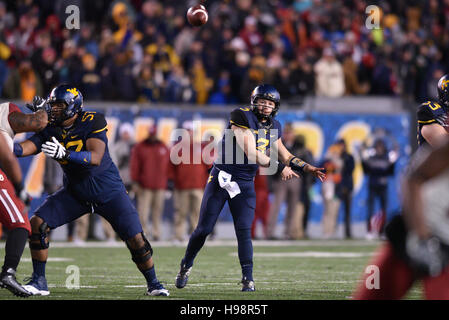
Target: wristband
[
  {"x": 82, "y": 157},
  {"x": 297, "y": 164},
  {"x": 18, "y": 150}
]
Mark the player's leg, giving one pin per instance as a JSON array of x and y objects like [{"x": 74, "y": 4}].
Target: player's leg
[
  {"x": 213, "y": 201},
  {"x": 394, "y": 277},
  {"x": 141, "y": 253},
  {"x": 15, "y": 219},
  {"x": 58, "y": 209},
  {"x": 124, "y": 219},
  {"x": 242, "y": 208}
]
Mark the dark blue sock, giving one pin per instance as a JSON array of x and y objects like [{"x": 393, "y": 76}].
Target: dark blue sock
[
  {"x": 245, "y": 250},
  {"x": 150, "y": 276},
  {"x": 247, "y": 271},
  {"x": 39, "y": 267}
]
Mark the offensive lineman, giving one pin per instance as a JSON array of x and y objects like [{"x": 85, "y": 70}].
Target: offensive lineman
[
  {"x": 77, "y": 140},
  {"x": 13, "y": 214},
  {"x": 231, "y": 182}
]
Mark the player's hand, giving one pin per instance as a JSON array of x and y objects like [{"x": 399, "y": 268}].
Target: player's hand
[
  {"x": 22, "y": 194},
  {"x": 38, "y": 104},
  {"x": 287, "y": 174},
  {"x": 426, "y": 255},
  {"x": 316, "y": 172},
  {"x": 54, "y": 149}
]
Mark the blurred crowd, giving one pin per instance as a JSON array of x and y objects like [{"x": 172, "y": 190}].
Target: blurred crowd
[{"x": 144, "y": 50}]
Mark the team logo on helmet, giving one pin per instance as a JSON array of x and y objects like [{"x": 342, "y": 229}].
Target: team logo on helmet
[
  {"x": 73, "y": 91},
  {"x": 444, "y": 84}
]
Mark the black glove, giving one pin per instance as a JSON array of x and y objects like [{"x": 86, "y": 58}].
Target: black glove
[{"x": 40, "y": 103}]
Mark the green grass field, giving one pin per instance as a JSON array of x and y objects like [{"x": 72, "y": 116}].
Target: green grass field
[{"x": 310, "y": 269}]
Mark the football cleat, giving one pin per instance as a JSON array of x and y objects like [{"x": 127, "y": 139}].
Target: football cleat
[
  {"x": 182, "y": 277},
  {"x": 248, "y": 285},
  {"x": 157, "y": 290},
  {"x": 8, "y": 281},
  {"x": 37, "y": 286}
]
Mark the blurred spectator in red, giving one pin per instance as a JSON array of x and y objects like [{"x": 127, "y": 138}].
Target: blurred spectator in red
[
  {"x": 21, "y": 40},
  {"x": 250, "y": 34},
  {"x": 262, "y": 205},
  {"x": 150, "y": 160},
  {"x": 53, "y": 27},
  {"x": 189, "y": 177}
]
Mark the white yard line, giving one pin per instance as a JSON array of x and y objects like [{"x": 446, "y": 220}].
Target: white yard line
[
  {"x": 308, "y": 254},
  {"x": 220, "y": 243}
]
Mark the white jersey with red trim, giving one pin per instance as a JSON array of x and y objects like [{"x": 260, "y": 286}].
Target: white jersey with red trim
[{"x": 5, "y": 128}]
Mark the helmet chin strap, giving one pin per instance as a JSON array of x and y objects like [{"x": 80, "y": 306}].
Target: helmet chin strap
[{"x": 259, "y": 115}]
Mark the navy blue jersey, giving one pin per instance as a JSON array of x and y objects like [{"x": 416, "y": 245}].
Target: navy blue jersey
[
  {"x": 88, "y": 183},
  {"x": 264, "y": 135},
  {"x": 428, "y": 113}
]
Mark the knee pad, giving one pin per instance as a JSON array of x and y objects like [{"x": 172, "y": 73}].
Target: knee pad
[
  {"x": 41, "y": 236},
  {"x": 143, "y": 253}
]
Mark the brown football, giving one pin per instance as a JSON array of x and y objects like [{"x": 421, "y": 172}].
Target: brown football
[{"x": 197, "y": 15}]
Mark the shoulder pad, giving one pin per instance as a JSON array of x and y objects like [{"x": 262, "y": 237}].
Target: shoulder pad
[
  {"x": 428, "y": 111},
  {"x": 96, "y": 121},
  {"x": 239, "y": 118}
]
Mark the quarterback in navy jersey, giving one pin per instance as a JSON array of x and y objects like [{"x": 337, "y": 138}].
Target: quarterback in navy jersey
[
  {"x": 77, "y": 140},
  {"x": 256, "y": 133}
]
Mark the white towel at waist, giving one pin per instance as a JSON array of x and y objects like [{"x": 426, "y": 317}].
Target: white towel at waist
[{"x": 225, "y": 182}]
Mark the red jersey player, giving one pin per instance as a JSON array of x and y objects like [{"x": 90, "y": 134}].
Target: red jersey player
[{"x": 12, "y": 208}]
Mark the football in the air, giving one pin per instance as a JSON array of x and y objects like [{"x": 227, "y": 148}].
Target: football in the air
[{"x": 197, "y": 15}]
